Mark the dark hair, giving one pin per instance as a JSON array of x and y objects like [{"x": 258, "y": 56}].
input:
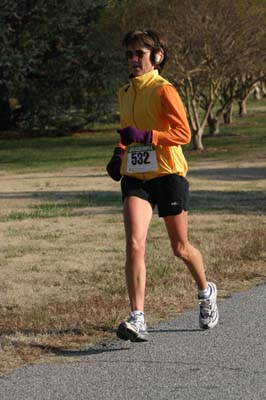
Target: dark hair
[{"x": 149, "y": 39}]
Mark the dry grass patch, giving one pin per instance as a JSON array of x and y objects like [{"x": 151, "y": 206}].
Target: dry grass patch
[{"x": 62, "y": 256}]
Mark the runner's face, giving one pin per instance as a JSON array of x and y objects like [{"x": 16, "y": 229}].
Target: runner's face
[{"x": 139, "y": 60}]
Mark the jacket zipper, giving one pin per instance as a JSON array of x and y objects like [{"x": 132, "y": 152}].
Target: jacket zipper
[
  {"x": 133, "y": 116},
  {"x": 133, "y": 105}
]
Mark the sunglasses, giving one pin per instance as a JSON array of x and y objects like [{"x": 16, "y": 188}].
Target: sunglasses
[{"x": 139, "y": 53}]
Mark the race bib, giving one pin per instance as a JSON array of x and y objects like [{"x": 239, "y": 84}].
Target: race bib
[{"x": 141, "y": 159}]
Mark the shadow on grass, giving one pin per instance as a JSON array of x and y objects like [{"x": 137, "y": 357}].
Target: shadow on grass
[
  {"x": 76, "y": 199},
  {"x": 230, "y": 174},
  {"x": 68, "y": 203},
  {"x": 54, "y": 176},
  {"x": 63, "y": 204},
  {"x": 237, "y": 202}
]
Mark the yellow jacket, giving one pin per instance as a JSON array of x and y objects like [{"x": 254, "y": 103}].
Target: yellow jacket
[{"x": 150, "y": 102}]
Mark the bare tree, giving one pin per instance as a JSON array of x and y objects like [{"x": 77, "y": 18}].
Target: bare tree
[
  {"x": 212, "y": 43},
  {"x": 248, "y": 67},
  {"x": 224, "y": 42}
]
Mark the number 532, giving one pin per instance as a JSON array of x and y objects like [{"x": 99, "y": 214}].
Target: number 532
[{"x": 140, "y": 158}]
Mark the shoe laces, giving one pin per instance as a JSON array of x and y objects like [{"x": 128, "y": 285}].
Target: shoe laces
[
  {"x": 205, "y": 307},
  {"x": 137, "y": 323}
]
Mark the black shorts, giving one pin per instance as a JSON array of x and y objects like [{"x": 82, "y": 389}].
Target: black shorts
[{"x": 170, "y": 192}]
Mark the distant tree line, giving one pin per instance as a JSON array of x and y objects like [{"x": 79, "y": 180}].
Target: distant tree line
[{"x": 61, "y": 63}]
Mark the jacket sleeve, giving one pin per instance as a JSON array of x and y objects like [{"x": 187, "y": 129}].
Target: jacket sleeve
[
  {"x": 120, "y": 146},
  {"x": 174, "y": 113}
]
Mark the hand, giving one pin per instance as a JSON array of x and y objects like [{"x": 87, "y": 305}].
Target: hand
[
  {"x": 134, "y": 135},
  {"x": 113, "y": 167}
]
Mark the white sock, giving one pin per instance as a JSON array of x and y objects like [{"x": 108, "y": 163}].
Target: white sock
[
  {"x": 139, "y": 315},
  {"x": 203, "y": 294}
]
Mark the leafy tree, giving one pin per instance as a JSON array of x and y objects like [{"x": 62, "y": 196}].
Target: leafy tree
[{"x": 48, "y": 61}]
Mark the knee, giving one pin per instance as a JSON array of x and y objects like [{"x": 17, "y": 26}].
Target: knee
[
  {"x": 135, "y": 248},
  {"x": 181, "y": 251}
]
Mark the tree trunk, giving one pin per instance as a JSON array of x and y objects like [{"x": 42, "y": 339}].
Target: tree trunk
[
  {"x": 242, "y": 107},
  {"x": 263, "y": 88},
  {"x": 197, "y": 139},
  {"x": 5, "y": 115},
  {"x": 214, "y": 125},
  {"x": 228, "y": 115},
  {"x": 257, "y": 92}
]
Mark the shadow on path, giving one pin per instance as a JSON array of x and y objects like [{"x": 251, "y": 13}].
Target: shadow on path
[
  {"x": 174, "y": 330},
  {"x": 76, "y": 353}
]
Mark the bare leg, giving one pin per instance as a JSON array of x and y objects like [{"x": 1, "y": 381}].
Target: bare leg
[
  {"x": 137, "y": 217},
  {"x": 177, "y": 230}
]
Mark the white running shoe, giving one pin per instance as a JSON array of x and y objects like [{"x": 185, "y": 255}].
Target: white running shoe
[
  {"x": 133, "y": 329},
  {"x": 209, "y": 314}
]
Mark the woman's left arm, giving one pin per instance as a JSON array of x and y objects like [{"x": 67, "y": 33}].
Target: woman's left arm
[{"x": 174, "y": 112}]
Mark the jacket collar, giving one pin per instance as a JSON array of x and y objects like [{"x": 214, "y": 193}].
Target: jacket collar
[{"x": 145, "y": 80}]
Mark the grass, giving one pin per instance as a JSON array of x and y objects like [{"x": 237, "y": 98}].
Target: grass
[
  {"x": 64, "y": 208},
  {"x": 62, "y": 238},
  {"x": 93, "y": 149},
  {"x": 50, "y": 154},
  {"x": 246, "y": 134}
]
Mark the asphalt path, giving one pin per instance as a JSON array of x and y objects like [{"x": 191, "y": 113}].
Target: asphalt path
[{"x": 179, "y": 362}]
